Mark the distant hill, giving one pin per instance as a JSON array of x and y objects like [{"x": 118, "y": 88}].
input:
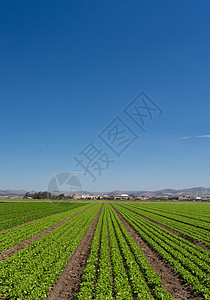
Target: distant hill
[
  {"x": 12, "y": 192},
  {"x": 195, "y": 191}
]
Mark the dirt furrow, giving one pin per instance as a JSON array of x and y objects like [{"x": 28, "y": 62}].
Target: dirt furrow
[
  {"x": 4, "y": 255},
  {"x": 191, "y": 240},
  {"x": 171, "y": 280},
  {"x": 67, "y": 285}
]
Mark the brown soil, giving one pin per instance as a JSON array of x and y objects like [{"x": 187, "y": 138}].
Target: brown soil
[
  {"x": 67, "y": 285},
  {"x": 197, "y": 243},
  {"x": 4, "y": 255},
  {"x": 171, "y": 280}
]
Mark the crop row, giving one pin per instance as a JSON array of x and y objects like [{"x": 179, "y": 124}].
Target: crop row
[
  {"x": 116, "y": 267},
  {"x": 177, "y": 217},
  {"x": 194, "y": 253},
  {"x": 148, "y": 279},
  {"x": 190, "y": 271},
  {"x": 17, "y": 235},
  {"x": 121, "y": 283},
  {"x": 192, "y": 212},
  {"x": 103, "y": 286},
  {"x": 96, "y": 279},
  {"x": 191, "y": 231},
  {"x": 10, "y": 210},
  {"x": 30, "y": 272},
  {"x": 17, "y": 209},
  {"x": 88, "y": 278},
  {"x": 10, "y": 220},
  {"x": 104, "y": 276}
]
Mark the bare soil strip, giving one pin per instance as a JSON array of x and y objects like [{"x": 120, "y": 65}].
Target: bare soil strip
[
  {"x": 4, "y": 255},
  {"x": 191, "y": 240},
  {"x": 67, "y": 285},
  {"x": 171, "y": 280}
]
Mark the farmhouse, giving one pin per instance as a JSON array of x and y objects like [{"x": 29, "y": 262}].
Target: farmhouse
[
  {"x": 121, "y": 197},
  {"x": 89, "y": 196}
]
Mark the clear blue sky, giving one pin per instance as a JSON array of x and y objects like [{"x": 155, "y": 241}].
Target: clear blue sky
[{"x": 68, "y": 68}]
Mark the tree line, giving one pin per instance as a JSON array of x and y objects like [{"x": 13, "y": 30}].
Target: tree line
[{"x": 45, "y": 195}]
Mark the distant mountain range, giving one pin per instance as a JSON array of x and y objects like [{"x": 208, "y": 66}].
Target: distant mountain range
[
  {"x": 195, "y": 191},
  {"x": 12, "y": 192}
]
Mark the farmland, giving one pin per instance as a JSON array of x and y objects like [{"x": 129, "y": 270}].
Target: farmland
[{"x": 105, "y": 251}]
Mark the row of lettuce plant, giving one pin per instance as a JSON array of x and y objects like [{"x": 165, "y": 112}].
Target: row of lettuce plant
[
  {"x": 177, "y": 217},
  {"x": 100, "y": 274},
  {"x": 198, "y": 279},
  {"x": 17, "y": 235},
  {"x": 191, "y": 231},
  {"x": 185, "y": 254},
  {"x": 15, "y": 210},
  {"x": 39, "y": 265},
  {"x": 14, "y": 220},
  {"x": 17, "y": 260},
  {"x": 178, "y": 209},
  {"x": 86, "y": 290},
  {"x": 132, "y": 274},
  {"x": 103, "y": 286},
  {"x": 139, "y": 286},
  {"x": 121, "y": 285},
  {"x": 153, "y": 279},
  {"x": 199, "y": 256}
]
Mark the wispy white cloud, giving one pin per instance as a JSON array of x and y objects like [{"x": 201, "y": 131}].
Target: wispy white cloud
[
  {"x": 185, "y": 137},
  {"x": 195, "y": 136},
  {"x": 203, "y": 136}
]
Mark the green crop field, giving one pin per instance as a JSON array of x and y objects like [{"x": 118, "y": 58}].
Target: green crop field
[{"x": 105, "y": 251}]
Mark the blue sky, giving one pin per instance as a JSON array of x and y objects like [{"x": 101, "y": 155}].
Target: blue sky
[{"x": 69, "y": 68}]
